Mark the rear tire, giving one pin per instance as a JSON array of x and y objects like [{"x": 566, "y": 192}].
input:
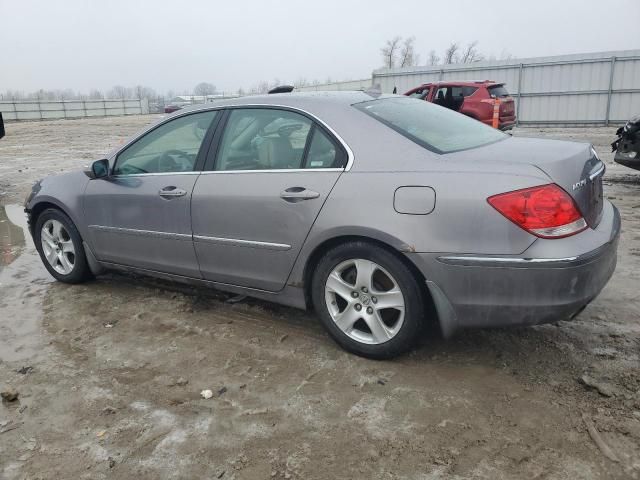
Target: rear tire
[
  {"x": 368, "y": 300},
  {"x": 60, "y": 247}
]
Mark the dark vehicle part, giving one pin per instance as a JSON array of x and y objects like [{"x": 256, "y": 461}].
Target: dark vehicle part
[
  {"x": 282, "y": 89},
  {"x": 627, "y": 145}
]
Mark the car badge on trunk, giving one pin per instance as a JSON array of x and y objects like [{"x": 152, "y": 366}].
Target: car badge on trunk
[{"x": 580, "y": 184}]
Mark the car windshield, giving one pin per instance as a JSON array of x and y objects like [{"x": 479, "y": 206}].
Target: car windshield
[{"x": 438, "y": 129}]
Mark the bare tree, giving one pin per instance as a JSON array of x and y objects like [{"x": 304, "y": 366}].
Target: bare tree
[
  {"x": 118, "y": 92},
  {"x": 204, "y": 88},
  {"x": 390, "y": 52},
  {"x": 95, "y": 94},
  {"x": 144, "y": 92},
  {"x": 262, "y": 87},
  {"x": 471, "y": 53},
  {"x": 451, "y": 53},
  {"x": 408, "y": 57},
  {"x": 434, "y": 59},
  {"x": 505, "y": 55}
]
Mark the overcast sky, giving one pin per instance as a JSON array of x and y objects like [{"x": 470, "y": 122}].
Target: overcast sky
[{"x": 176, "y": 44}]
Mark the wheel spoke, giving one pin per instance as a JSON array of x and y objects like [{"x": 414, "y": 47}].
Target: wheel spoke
[
  {"x": 67, "y": 266},
  {"x": 390, "y": 299},
  {"x": 52, "y": 256},
  {"x": 364, "y": 275},
  {"x": 378, "y": 328},
  {"x": 67, "y": 247},
  {"x": 57, "y": 230},
  {"x": 347, "y": 318},
  {"x": 337, "y": 285},
  {"x": 46, "y": 236}
]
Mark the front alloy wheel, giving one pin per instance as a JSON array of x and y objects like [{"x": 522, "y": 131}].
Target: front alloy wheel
[
  {"x": 57, "y": 247},
  {"x": 60, "y": 247}
]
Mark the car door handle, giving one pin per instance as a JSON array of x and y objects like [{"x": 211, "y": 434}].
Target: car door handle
[
  {"x": 171, "y": 191},
  {"x": 297, "y": 194}
]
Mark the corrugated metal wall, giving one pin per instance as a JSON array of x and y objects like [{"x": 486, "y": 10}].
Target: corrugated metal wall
[
  {"x": 593, "y": 88},
  {"x": 44, "y": 110}
]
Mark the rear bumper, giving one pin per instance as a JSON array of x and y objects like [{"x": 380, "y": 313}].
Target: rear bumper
[
  {"x": 546, "y": 283},
  {"x": 506, "y": 123}
]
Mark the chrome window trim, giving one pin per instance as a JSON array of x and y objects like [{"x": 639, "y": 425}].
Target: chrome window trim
[
  {"x": 142, "y": 233},
  {"x": 241, "y": 243},
  {"x": 155, "y": 174},
  {"x": 274, "y": 170},
  {"x": 350, "y": 156}
]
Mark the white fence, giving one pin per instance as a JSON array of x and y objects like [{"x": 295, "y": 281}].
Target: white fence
[
  {"x": 593, "y": 88},
  {"x": 49, "y": 110},
  {"x": 584, "y": 89}
]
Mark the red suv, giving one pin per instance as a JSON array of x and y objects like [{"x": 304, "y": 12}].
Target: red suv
[{"x": 474, "y": 99}]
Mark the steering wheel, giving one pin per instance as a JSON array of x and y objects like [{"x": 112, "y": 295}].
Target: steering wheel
[{"x": 175, "y": 161}]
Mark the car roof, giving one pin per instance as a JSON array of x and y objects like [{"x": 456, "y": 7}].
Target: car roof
[{"x": 302, "y": 100}]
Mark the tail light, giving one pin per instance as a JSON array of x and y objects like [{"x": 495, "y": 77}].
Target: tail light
[{"x": 546, "y": 211}]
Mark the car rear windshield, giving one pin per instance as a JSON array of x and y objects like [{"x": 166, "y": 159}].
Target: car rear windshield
[
  {"x": 433, "y": 127},
  {"x": 498, "y": 91}
]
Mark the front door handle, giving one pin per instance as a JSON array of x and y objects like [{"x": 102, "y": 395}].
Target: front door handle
[
  {"x": 171, "y": 191},
  {"x": 297, "y": 194}
]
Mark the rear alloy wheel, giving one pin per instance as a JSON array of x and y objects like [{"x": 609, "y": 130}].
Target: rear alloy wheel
[
  {"x": 60, "y": 247},
  {"x": 368, "y": 300}
]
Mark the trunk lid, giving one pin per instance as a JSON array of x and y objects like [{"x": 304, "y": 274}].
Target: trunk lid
[{"x": 571, "y": 165}]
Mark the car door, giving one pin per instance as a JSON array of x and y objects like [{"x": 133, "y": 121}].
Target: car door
[
  {"x": 267, "y": 183},
  {"x": 140, "y": 215}
]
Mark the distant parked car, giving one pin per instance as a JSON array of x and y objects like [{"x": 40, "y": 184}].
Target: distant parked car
[
  {"x": 172, "y": 108},
  {"x": 473, "y": 99},
  {"x": 380, "y": 211}
]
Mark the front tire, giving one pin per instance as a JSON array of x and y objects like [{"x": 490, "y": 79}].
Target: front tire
[
  {"x": 368, "y": 300},
  {"x": 60, "y": 247}
]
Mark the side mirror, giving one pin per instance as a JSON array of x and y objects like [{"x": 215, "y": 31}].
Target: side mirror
[
  {"x": 99, "y": 169},
  {"x": 1, "y": 126}
]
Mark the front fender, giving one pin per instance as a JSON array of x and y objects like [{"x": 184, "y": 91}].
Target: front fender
[{"x": 64, "y": 192}]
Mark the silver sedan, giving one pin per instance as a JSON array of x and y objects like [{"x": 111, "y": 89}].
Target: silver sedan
[{"x": 382, "y": 213}]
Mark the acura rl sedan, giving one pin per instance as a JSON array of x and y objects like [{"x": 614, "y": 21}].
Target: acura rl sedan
[{"x": 381, "y": 212}]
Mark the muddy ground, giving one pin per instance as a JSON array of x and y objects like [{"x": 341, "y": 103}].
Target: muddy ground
[{"x": 109, "y": 373}]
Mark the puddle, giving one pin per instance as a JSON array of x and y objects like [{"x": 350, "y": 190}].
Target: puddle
[
  {"x": 13, "y": 233},
  {"x": 23, "y": 283}
]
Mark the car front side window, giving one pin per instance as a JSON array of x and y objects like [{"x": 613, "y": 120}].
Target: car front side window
[{"x": 172, "y": 147}]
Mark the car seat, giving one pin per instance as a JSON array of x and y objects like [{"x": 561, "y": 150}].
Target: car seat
[{"x": 276, "y": 153}]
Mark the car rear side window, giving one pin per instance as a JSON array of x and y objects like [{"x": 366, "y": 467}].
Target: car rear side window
[
  {"x": 437, "y": 129},
  {"x": 468, "y": 91},
  {"x": 263, "y": 139},
  {"x": 323, "y": 152},
  {"x": 276, "y": 139},
  {"x": 498, "y": 91}
]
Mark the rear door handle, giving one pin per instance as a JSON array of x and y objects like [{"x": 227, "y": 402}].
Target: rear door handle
[
  {"x": 297, "y": 194},
  {"x": 171, "y": 191}
]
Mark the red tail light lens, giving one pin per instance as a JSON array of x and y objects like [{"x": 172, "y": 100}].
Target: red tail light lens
[{"x": 546, "y": 211}]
